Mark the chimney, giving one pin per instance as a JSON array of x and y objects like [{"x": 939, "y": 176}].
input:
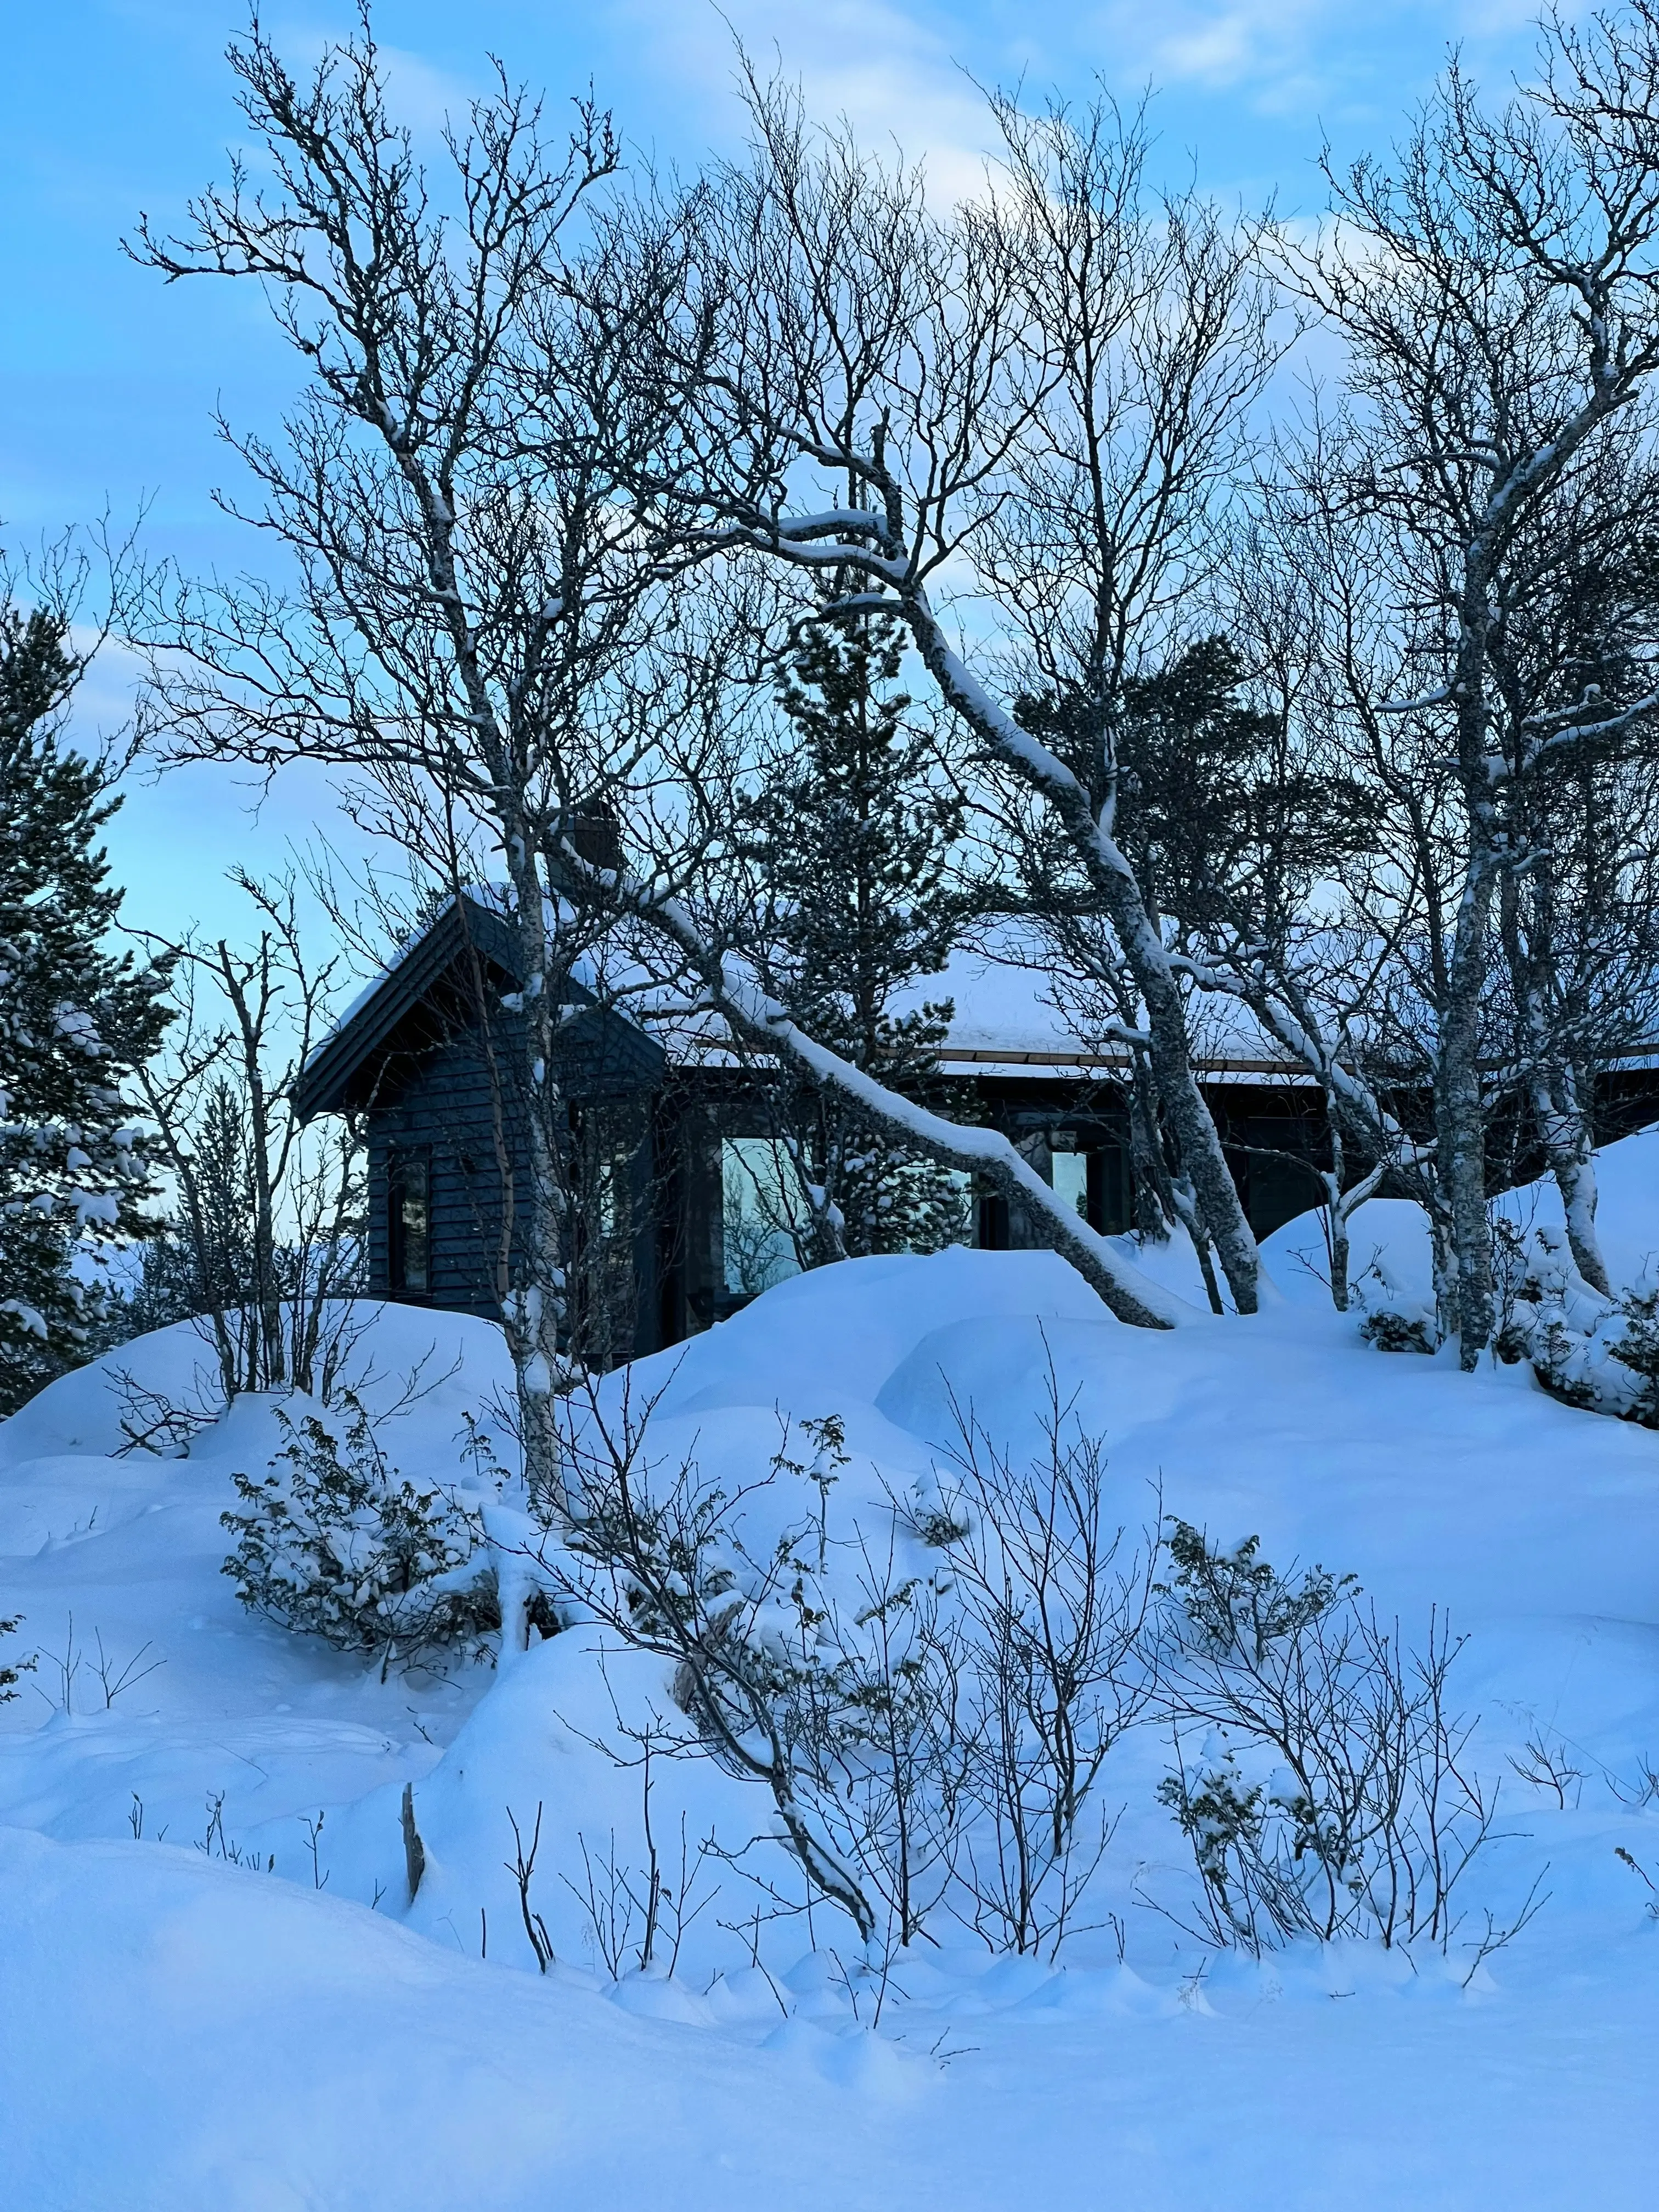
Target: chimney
[{"x": 593, "y": 830}]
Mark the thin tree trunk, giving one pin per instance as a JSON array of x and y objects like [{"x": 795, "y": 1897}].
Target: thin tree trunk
[
  {"x": 1460, "y": 1123},
  {"x": 1336, "y": 1209},
  {"x": 1151, "y": 1209},
  {"x": 1567, "y": 1146},
  {"x": 1558, "y": 1114},
  {"x": 534, "y": 1308},
  {"x": 1189, "y": 1119}
]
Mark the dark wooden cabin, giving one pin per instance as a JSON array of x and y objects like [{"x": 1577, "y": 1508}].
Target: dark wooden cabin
[
  {"x": 434, "y": 1087},
  {"x": 667, "y": 1137}
]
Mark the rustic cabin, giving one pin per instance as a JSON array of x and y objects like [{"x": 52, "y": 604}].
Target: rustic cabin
[
  {"x": 669, "y": 1133},
  {"x": 674, "y": 1135}
]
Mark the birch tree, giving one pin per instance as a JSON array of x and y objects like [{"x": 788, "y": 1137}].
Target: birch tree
[
  {"x": 467, "y": 625},
  {"x": 1042, "y": 393},
  {"x": 481, "y": 628},
  {"x": 1495, "y": 288}
]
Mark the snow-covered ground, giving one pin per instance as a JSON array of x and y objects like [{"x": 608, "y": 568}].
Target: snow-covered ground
[{"x": 184, "y": 2025}]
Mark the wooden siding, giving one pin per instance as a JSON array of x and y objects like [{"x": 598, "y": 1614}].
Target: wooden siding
[{"x": 441, "y": 1102}]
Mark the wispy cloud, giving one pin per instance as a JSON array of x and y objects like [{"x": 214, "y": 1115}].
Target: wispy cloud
[
  {"x": 895, "y": 75},
  {"x": 900, "y": 69},
  {"x": 1291, "y": 55}
]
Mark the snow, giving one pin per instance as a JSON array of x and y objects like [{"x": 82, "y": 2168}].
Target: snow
[
  {"x": 1007, "y": 1017},
  {"x": 186, "y": 2027},
  {"x": 1396, "y": 1232}
]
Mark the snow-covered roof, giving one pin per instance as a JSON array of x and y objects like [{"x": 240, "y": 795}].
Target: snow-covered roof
[
  {"x": 1009, "y": 1009},
  {"x": 1010, "y": 1017}
]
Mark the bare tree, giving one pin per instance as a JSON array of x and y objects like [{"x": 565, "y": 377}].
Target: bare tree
[
  {"x": 1054, "y": 1668},
  {"x": 470, "y": 630},
  {"x": 1044, "y": 393},
  {"x": 1282, "y": 898},
  {"x": 482, "y": 628},
  {"x": 1497, "y": 289},
  {"x": 1157, "y": 332},
  {"x": 660, "y": 1558},
  {"x": 269, "y": 1234}
]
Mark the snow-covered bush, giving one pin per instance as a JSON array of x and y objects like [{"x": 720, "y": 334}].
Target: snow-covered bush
[
  {"x": 928, "y": 1698},
  {"x": 1600, "y": 1354},
  {"x": 1396, "y": 1332},
  {"x": 1329, "y": 1791},
  {"x": 10, "y": 1677},
  {"x": 333, "y": 1542},
  {"x": 1636, "y": 1351},
  {"x": 1394, "y": 1320}
]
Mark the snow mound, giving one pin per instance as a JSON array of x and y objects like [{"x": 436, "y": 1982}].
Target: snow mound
[
  {"x": 1392, "y": 1233},
  {"x": 216, "y": 1991},
  {"x": 460, "y": 1361}
]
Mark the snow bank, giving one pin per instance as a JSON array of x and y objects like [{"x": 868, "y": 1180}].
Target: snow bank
[
  {"x": 180, "y": 2037},
  {"x": 1392, "y": 1231},
  {"x": 459, "y": 1361},
  {"x": 183, "y": 2024}
]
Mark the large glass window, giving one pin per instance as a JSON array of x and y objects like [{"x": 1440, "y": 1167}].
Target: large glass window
[
  {"x": 762, "y": 1210},
  {"x": 1094, "y": 1180},
  {"x": 1071, "y": 1179}
]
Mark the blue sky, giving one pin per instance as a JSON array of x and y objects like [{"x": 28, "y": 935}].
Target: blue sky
[{"x": 109, "y": 380}]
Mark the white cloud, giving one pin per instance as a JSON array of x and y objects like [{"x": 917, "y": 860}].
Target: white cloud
[
  {"x": 1268, "y": 46},
  {"x": 1294, "y": 56},
  {"x": 891, "y": 74},
  {"x": 421, "y": 96}
]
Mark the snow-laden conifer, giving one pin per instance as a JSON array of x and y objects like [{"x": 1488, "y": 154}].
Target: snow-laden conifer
[
  {"x": 852, "y": 838},
  {"x": 75, "y": 1019},
  {"x": 334, "y": 1542}
]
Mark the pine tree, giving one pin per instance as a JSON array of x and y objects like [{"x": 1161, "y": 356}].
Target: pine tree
[
  {"x": 75, "y": 1019},
  {"x": 852, "y": 840}
]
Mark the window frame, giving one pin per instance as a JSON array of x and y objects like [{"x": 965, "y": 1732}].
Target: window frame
[{"x": 406, "y": 1165}]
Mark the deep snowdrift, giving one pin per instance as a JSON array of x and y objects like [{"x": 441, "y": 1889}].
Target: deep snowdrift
[{"x": 180, "y": 2028}]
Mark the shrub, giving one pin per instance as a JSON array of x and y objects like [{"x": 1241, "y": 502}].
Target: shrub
[
  {"x": 1396, "y": 1332},
  {"x": 1394, "y": 1320},
  {"x": 1332, "y": 1796},
  {"x": 10, "y": 1677},
  {"x": 1598, "y": 1353},
  {"x": 333, "y": 1542}
]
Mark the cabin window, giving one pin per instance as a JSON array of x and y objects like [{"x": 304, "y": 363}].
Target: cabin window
[
  {"x": 762, "y": 1209},
  {"x": 991, "y": 1222},
  {"x": 409, "y": 1222},
  {"x": 1072, "y": 1181},
  {"x": 1109, "y": 1189},
  {"x": 1096, "y": 1181}
]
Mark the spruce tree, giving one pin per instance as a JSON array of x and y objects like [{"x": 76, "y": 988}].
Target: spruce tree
[
  {"x": 852, "y": 839},
  {"x": 74, "y": 1019}
]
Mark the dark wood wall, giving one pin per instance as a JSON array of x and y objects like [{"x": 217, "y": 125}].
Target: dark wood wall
[
  {"x": 662, "y": 1276},
  {"x": 453, "y": 1108}
]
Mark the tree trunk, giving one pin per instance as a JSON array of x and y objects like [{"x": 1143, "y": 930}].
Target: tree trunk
[
  {"x": 534, "y": 1311},
  {"x": 1460, "y": 1124},
  {"x": 1199, "y": 1141},
  {"x": 1189, "y": 1119},
  {"x": 1567, "y": 1141},
  {"x": 1151, "y": 1208},
  {"x": 1564, "y": 1129},
  {"x": 761, "y": 1022}
]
